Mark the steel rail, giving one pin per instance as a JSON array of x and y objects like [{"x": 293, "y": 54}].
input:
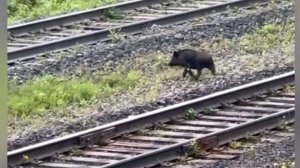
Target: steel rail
[
  {"x": 77, "y": 16},
  {"x": 100, "y": 133},
  {"x": 219, "y": 138},
  {"x": 102, "y": 35}
]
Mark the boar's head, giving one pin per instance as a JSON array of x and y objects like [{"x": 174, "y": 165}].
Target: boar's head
[{"x": 175, "y": 60}]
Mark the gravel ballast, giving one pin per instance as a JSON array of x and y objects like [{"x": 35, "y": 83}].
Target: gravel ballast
[
  {"x": 265, "y": 157},
  {"x": 164, "y": 39}
]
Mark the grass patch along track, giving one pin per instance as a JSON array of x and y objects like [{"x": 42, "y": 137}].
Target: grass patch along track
[
  {"x": 48, "y": 92},
  {"x": 19, "y": 10}
]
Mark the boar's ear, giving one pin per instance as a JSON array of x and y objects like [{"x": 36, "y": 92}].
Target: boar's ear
[{"x": 175, "y": 54}]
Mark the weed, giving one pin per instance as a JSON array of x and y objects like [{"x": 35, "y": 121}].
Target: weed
[
  {"x": 235, "y": 144},
  {"x": 197, "y": 149},
  {"x": 153, "y": 92},
  {"x": 191, "y": 114},
  {"x": 237, "y": 10},
  {"x": 142, "y": 131},
  {"x": 115, "y": 35},
  {"x": 283, "y": 125},
  {"x": 75, "y": 152},
  {"x": 25, "y": 157},
  {"x": 78, "y": 48},
  {"x": 250, "y": 153},
  {"x": 273, "y": 4},
  {"x": 287, "y": 89},
  {"x": 250, "y": 138},
  {"x": 61, "y": 55},
  {"x": 210, "y": 111},
  {"x": 154, "y": 133},
  {"x": 253, "y": 6},
  {"x": 113, "y": 13},
  {"x": 182, "y": 160},
  {"x": 162, "y": 60},
  {"x": 284, "y": 164},
  {"x": 157, "y": 126}
]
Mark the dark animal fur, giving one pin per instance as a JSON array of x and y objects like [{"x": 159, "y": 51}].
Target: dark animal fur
[{"x": 191, "y": 59}]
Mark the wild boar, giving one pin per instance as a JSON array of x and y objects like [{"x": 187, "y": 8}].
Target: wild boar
[{"x": 191, "y": 59}]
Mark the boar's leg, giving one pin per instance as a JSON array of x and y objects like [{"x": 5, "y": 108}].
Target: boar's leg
[
  {"x": 187, "y": 70},
  {"x": 192, "y": 74},
  {"x": 184, "y": 72},
  {"x": 199, "y": 72},
  {"x": 212, "y": 69}
]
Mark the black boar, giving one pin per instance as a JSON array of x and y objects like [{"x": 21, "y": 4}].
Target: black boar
[{"x": 191, "y": 59}]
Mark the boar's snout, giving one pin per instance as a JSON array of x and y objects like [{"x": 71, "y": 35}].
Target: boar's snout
[{"x": 172, "y": 62}]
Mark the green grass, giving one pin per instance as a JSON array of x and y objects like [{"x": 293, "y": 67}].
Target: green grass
[
  {"x": 47, "y": 92},
  {"x": 113, "y": 13},
  {"x": 260, "y": 41},
  {"x": 269, "y": 36},
  {"x": 19, "y": 10}
]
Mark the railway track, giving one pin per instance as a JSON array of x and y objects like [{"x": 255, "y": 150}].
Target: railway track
[
  {"x": 150, "y": 139},
  {"x": 35, "y": 38},
  {"x": 239, "y": 150}
]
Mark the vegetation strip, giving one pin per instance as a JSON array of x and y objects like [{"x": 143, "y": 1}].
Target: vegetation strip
[{"x": 19, "y": 10}]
